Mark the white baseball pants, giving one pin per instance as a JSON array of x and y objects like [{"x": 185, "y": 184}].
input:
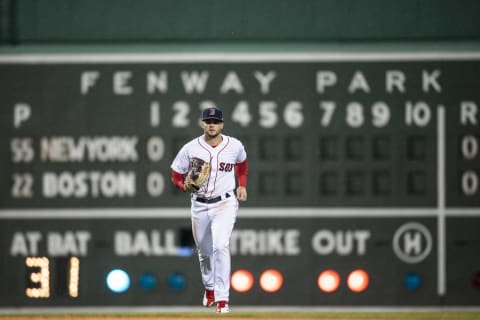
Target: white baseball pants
[{"x": 212, "y": 226}]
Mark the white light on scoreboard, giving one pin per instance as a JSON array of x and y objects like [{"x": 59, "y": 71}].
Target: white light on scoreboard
[{"x": 118, "y": 281}]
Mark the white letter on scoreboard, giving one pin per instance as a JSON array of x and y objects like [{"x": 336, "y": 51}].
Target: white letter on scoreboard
[
  {"x": 325, "y": 79},
  {"x": 87, "y": 80},
  {"x": 120, "y": 83},
  {"x": 468, "y": 113}
]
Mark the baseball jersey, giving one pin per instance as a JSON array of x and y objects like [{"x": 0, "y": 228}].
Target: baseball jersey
[{"x": 222, "y": 159}]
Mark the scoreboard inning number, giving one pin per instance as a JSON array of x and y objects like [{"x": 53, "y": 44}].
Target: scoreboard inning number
[{"x": 416, "y": 113}]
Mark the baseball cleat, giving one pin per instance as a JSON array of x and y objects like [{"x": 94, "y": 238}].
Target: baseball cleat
[
  {"x": 222, "y": 307},
  {"x": 208, "y": 298}
]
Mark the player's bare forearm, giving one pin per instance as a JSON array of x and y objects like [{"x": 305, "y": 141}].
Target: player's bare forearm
[{"x": 242, "y": 193}]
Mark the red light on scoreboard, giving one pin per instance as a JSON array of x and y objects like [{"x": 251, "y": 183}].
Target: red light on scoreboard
[
  {"x": 271, "y": 280},
  {"x": 476, "y": 280},
  {"x": 358, "y": 280},
  {"x": 242, "y": 280},
  {"x": 328, "y": 281}
]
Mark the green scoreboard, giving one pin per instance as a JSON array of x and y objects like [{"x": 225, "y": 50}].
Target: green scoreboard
[{"x": 363, "y": 180}]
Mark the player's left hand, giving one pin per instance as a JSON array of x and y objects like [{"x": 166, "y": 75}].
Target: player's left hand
[{"x": 242, "y": 193}]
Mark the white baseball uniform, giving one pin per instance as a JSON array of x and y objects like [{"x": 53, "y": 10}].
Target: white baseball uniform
[{"x": 214, "y": 208}]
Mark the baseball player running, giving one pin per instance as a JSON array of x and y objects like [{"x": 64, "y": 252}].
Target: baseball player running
[{"x": 214, "y": 200}]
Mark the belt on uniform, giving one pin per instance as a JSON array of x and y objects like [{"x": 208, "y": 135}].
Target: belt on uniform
[{"x": 212, "y": 200}]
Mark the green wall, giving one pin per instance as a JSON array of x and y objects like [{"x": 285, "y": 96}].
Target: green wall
[{"x": 151, "y": 21}]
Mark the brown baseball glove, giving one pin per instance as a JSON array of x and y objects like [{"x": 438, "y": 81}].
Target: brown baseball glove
[{"x": 197, "y": 175}]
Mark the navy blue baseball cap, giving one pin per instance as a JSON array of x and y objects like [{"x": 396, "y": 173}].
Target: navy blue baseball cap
[{"x": 212, "y": 113}]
